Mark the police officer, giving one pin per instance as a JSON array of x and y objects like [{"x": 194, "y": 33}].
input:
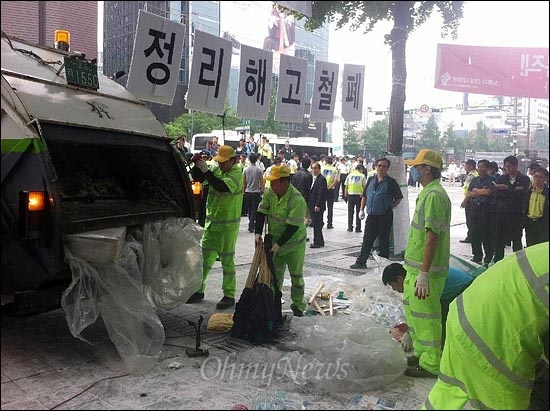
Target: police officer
[
  {"x": 285, "y": 208},
  {"x": 223, "y": 217}
]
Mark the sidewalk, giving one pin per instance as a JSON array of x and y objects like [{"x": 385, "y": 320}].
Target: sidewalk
[{"x": 43, "y": 366}]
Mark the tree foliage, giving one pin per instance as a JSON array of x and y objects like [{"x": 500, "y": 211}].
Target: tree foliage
[
  {"x": 431, "y": 137},
  {"x": 376, "y": 139},
  {"x": 406, "y": 17},
  {"x": 196, "y": 122},
  {"x": 352, "y": 143}
]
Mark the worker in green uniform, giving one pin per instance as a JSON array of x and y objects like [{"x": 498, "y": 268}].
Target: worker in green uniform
[
  {"x": 223, "y": 218},
  {"x": 285, "y": 209},
  {"x": 497, "y": 331},
  {"x": 427, "y": 263}
]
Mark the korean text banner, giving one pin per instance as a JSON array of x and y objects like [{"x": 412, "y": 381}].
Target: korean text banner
[
  {"x": 353, "y": 81},
  {"x": 292, "y": 89},
  {"x": 156, "y": 58},
  {"x": 498, "y": 71},
  {"x": 325, "y": 84},
  {"x": 254, "y": 83},
  {"x": 209, "y": 73}
]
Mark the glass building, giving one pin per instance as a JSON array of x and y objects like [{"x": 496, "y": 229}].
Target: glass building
[{"x": 242, "y": 22}]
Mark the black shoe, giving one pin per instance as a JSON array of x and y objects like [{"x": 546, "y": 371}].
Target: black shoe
[
  {"x": 358, "y": 231},
  {"x": 466, "y": 240},
  {"x": 225, "y": 302},
  {"x": 195, "y": 298},
  {"x": 357, "y": 266},
  {"x": 296, "y": 311},
  {"x": 476, "y": 261},
  {"x": 412, "y": 361},
  {"x": 329, "y": 226},
  {"x": 350, "y": 229},
  {"x": 250, "y": 230},
  {"x": 316, "y": 245},
  {"x": 418, "y": 372}
]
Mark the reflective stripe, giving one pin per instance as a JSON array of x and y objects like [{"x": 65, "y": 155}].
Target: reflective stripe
[
  {"x": 491, "y": 358},
  {"x": 429, "y": 343},
  {"x": 274, "y": 218},
  {"x": 426, "y": 315},
  {"x": 452, "y": 381},
  {"x": 289, "y": 244},
  {"x": 433, "y": 268},
  {"x": 537, "y": 283},
  {"x": 225, "y": 193},
  {"x": 232, "y": 221},
  {"x": 213, "y": 250}
]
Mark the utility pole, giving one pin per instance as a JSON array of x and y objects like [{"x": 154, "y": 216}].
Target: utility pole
[
  {"x": 515, "y": 129},
  {"x": 529, "y": 127}
]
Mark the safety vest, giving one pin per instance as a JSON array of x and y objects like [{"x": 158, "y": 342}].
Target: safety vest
[
  {"x": 504, "y": 336},
  {"x": 266, "y": 151},
  {"x": 330, "y": 172},
  {"x": 355, "y": 182},
  {"x": 379, "y": 198},
  {"x": 223, "y": 209},
  {"x": 289, "y": 209},
  {"x": 433, "y": 211}
]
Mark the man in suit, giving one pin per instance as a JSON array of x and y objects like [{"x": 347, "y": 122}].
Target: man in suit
[{"x": 316, "y": 204}]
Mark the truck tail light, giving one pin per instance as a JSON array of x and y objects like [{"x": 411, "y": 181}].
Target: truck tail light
[
  {"x": 33, "y": 206},
  {"x": 197, "y": 187}
]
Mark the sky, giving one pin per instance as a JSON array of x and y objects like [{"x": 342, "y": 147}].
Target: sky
[{"x": 502, "y": 24}]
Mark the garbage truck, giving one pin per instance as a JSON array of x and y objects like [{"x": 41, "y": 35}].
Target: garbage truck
[{"x": 79, "y": 153}]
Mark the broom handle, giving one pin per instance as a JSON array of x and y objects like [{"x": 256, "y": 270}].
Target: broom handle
[{"x": 254, "y": 267}]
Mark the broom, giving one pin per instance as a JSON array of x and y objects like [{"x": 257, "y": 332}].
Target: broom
[{"x": 243, "y": 307}]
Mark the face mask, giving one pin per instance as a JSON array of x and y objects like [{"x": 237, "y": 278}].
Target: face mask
[{"x": 414, "y": 174}]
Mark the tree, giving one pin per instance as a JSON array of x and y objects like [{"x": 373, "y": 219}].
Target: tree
[
  {"x": 430, "y": 138},
  {"x": 352, "y": 143},
  {"x": 376, "y": 138},
  {"x": 406, "y": 16},
  {"x": 201, "y": 122}
]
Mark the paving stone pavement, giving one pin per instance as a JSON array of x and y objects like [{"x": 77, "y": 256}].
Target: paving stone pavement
[{"x": 44, "y": 367}]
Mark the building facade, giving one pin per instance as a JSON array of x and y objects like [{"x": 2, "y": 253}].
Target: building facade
[
  {"x": 220, "y": 19},
  {"x": 36, "y": 21}
]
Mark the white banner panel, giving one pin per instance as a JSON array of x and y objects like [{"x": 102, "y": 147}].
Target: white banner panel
[
  {"x": 254, "y": 83},
  {"x": 156, "y": 59},
  {"x": 353, "y": 81},
  {"x": 292, "y": 89},
  {"x": 325, "y": 84},
  {"x": 209, "y": 73}
]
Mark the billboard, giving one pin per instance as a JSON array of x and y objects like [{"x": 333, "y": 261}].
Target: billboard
[
  {"x": 260, "y": 26},
  {"x": 497, "y": 71}
]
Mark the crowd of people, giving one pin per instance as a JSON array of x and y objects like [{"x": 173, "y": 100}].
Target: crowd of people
[{"x": 284, "y": 194}]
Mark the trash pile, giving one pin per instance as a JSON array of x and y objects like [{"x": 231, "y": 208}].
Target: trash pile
[{"x": 123, "y": 274}]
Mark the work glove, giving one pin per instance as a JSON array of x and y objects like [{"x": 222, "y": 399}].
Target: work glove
[
  {"x": 258, "y": 240},
  {"x": 275, "y": 248},
  {"x": 362, "y": 214},
  {"x": 202, "y": 166},
  {"x": 422, "y": 286},
  {"x": 406, "y": 342}
]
